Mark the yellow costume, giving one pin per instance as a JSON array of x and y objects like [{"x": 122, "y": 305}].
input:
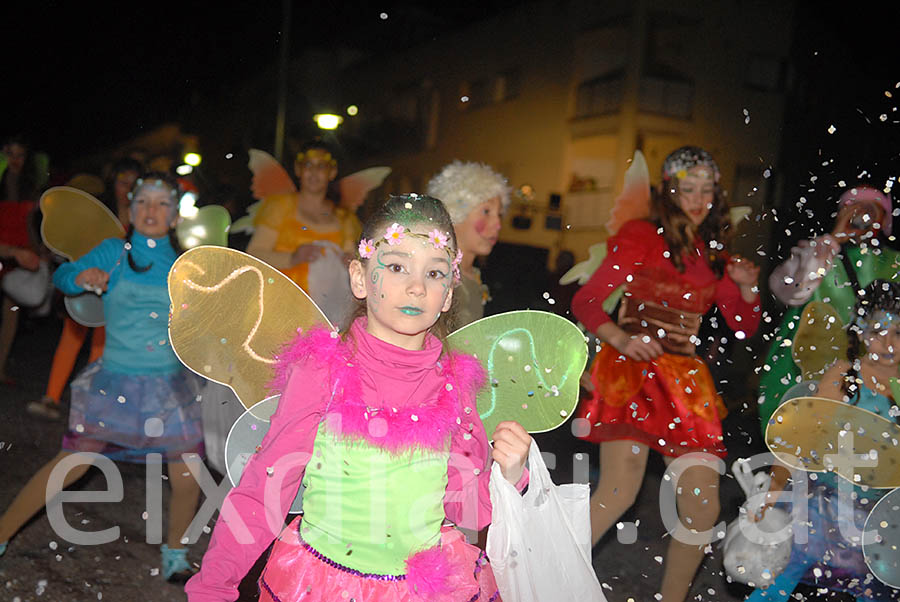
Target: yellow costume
[{"x": 279, "y": 212}]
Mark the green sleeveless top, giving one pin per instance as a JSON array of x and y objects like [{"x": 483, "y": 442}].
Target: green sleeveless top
[{"x": 389, "y": 506}]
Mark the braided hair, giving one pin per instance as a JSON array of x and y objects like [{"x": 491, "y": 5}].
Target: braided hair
[
  {"x": 879, "y": 296},
  {"x": 153, "y": 177}
]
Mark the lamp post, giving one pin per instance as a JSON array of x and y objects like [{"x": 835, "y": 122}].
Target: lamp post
[{"x": 282, "y": 78}]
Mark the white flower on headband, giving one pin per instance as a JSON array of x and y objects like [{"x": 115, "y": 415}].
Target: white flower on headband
[
  {"x": 438, "y": 239},
  {"x": 366, "y": 248},
  {"x": 394, "y": 234}
]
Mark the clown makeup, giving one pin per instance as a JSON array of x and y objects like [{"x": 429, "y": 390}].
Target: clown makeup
[
  {"x": 153, "y": 209},
  {"x": 406, "y": 285},
  {"x": 695, "y": 192},
  {"x": 478, "y": 233}
]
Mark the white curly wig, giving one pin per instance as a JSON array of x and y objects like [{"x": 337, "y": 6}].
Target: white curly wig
[{"x": 464, "y": 186}]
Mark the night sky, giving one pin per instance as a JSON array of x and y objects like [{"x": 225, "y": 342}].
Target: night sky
[{"x": 83, "y": 76}]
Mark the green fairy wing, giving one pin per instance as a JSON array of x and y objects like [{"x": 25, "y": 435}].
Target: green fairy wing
[{"x": 533, "y": 361}]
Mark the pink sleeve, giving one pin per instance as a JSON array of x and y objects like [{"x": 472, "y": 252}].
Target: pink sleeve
[
  {"x": 625, "y": 251},
  {"x": 467, "y": 501},
  {"x": 740, "y": 315},
  {"x": 253, "y": 513}
]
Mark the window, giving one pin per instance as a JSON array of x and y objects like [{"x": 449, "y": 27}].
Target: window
[
  {"x": 485, "y": 91},
  {"x": 600, "y": 96},
  {"x": 666, "y": 96}
]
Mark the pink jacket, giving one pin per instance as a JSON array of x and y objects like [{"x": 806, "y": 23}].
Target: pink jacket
[{"x": 386, "y": 377}]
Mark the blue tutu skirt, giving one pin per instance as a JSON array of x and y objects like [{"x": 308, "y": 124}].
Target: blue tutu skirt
[
  {"x": 841, "y": 563},
  {"x": 127, "y": 416}
]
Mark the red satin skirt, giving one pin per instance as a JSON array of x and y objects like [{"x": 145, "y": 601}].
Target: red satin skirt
[{"x": 669, "y": 404}]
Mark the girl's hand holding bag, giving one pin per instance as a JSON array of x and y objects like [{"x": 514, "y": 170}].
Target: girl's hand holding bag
[{"x": 539, "y": 543}]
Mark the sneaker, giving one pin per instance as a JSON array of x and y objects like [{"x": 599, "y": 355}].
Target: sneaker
[
  {"x": 175, "y": 567},
  {"x": 45, "y": 408}
]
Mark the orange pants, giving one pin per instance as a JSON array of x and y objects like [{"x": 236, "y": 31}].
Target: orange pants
[{"x": 70, "y": 342}]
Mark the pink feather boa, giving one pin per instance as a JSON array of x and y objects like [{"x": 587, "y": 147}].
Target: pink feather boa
[
  {"x": 428, "y": 573},
  {"x": 393, "y": 429}
]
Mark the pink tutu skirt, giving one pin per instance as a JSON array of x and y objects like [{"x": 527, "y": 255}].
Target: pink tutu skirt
[{"x": 296, "y": 572}]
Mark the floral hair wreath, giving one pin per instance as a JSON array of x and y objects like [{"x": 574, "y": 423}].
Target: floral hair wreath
[
  {"x": 681, "y": 160},
  {"x": 316, "y": 153},
  {"x": 153, "y": 183},
  {"x": 396, "y": 232}
]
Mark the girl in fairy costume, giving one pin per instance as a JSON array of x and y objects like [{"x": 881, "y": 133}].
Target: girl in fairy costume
[
  {"x": 137, "y": 403},
  {"x": 864, "y": 380},
  {"x": 381, "y": 427},
  {"x": 650, "y": 391}
]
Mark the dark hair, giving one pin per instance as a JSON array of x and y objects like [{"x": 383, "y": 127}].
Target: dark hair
[
  {"x": 317, "y": 143},
  {"x": 125, "y": 164},
  {"x": 880, "y": 295},
  {"x": 172, "y": 183},
  {"x": 27, "y": 183},
  {"x": 422, "y": 209},
  {"x": 677, "y": 226}
]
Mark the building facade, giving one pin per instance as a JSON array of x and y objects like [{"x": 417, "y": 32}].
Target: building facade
[{"x": 558, "y": 95}]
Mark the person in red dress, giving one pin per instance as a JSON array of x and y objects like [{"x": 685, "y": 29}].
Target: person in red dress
[{"x": 648, "y": 388}]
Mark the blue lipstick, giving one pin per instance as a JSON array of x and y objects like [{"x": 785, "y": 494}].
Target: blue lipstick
[{"x": 410, "y": 310}]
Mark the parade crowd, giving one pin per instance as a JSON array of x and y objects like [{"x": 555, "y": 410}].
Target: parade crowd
[{"x": 380, "y": 411}]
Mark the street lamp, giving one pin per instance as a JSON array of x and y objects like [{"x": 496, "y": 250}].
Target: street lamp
[
  {"x": 193, "y": 159},
  {"x": 328, "y": 121}
]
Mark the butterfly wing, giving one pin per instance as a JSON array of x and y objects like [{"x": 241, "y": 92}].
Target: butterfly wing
[
  {"x": 820, "y": 339},
  {"x": 75, "y": 222},
  {"x": 208, "y": 226},
  {"x": 634, "y": 202},
  {"x": 269, "y": 177},
  {"x": 355, "y": 187},
  {"x": 809, "y": 433},
  {"x": 245, "y": 223},
  {"x": 581, "y": 272},
  {"x": 533, "y": 360},
  {"x": 881, "y": 539},
  {"x": 739, "y": 214},
  {"x": 231, "y": 313}
]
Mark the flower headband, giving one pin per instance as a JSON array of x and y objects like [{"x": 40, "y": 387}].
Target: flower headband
[
  {"x": 395, "y": 233},
  {"x": 153, "y": 183},
  {"x": 317, "y": 153},
  {"x": 680, "y": 161}
]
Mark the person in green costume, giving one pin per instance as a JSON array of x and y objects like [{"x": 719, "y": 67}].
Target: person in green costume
[{"x": 832, "y": 269}]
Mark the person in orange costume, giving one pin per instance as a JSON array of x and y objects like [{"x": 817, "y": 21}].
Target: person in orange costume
[
  {"x": 650, "y": 391},
  {"x": 125, "y": 173},
  {"x": 288, "y": 225}
]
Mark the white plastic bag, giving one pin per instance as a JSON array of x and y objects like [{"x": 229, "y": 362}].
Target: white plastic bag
[
  {"x": 756, "y": 553},
  {"x": 539, "y": 542},
  {"x": 28, "y": 288}
]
